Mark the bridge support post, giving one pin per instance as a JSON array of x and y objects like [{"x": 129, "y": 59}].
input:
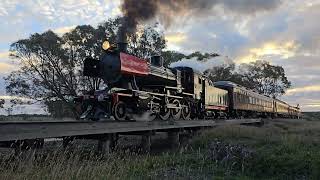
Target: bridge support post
[
  {"x": 174, "y": 139},
  {"x": 104, "y": 145},
  {"x": 66, "y": 142},
  {"x": 114, "y": 141},
  {"x": 146, "y": 142}
]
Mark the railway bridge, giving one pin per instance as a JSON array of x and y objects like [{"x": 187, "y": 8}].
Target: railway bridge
[{"x": 26, "y": 135}]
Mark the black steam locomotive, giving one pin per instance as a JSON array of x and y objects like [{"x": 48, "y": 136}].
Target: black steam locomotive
[{"x": 139, "y": 88}]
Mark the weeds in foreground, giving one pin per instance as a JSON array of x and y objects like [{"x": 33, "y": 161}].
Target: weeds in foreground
[{"x": 277, "y": 151}]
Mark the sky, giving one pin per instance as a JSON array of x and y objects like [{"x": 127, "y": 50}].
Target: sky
[{"x": 286, "y": 33}]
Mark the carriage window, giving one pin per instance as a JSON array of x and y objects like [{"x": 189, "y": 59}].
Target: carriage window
[{"x": 200, "y": 80}]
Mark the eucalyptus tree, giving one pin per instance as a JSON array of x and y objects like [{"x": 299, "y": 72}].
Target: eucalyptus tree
[{"x": 51, "y": 65}]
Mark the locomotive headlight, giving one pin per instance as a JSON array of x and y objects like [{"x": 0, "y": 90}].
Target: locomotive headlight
[
  {"x": 101, "y": 97},
  {"x": 105, "y": 45}
]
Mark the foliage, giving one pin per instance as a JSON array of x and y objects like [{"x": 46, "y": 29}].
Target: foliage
[
  {"x": 260, "y": 76},
  {"x": 200, "y": 56},
  {"x": 58, "y": 109},
  {"x": 146, "y": 43},
  {"x": 225, "y": 72},
  {"x": 51, "y": 65},
  {"x": 265, "y": 78},
  {"x": 174, "y": 56}
]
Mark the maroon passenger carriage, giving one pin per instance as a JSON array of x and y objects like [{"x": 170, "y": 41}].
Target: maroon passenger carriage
[{"x": 244, "y": 102}]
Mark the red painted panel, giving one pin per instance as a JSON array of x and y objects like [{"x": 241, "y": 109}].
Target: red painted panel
[
  {"x": 223, "y": 108},
  {"x": 133, "y": 65}
]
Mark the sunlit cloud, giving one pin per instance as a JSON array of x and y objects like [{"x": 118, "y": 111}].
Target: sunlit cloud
[
  {"x": 314, "y": 88},
  {"x": 6, "y": 68},
  {"x": 282, "y": 50},
  {"x": 4, "y": 55},
  {"x": 313, "y": 105},
  {"x": 8, "y": 98},
  {"x": 176, "y": 38},
  {"x": 63, "y": 30}
]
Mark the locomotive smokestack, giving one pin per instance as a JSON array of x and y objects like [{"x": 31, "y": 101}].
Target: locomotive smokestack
[{"x": 122, "y": 37}]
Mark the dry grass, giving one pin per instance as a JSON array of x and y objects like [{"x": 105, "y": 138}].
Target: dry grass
[{"x": 282, "y": 150}]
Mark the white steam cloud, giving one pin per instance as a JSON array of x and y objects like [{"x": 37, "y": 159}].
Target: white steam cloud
[{"x": 202, "y": 65}]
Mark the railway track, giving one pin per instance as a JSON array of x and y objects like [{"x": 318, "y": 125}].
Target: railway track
[{"x": 19, "y": 135}]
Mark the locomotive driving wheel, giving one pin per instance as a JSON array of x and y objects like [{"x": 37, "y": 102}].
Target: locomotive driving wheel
[
  {"x": 186, "y": 111},
  {"x": 164, "y": 113},
  {"x": 176, "y": 112},
  {"x": 120, "y": 111}
]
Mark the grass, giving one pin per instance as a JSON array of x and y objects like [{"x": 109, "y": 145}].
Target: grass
[
  {"x": 311, "y": 116},
  {"x": 278, "y": 150}
]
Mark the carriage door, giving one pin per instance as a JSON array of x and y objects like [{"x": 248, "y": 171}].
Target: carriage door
[{"x": 203, "y": 94}]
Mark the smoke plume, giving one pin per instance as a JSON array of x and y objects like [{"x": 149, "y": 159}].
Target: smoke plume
[
  {"x": 139, "y": 11},
  {"x": 135, "y": 11}
]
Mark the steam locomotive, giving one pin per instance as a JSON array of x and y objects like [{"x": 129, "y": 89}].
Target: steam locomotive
[{"x": 139, "y": 88}]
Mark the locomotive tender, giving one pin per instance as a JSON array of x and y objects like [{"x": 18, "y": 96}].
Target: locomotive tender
[{"x": 137, "y": 87}]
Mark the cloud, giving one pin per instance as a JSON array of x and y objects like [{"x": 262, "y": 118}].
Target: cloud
[
  {"x": 313, "y": 105},
  {"x": 293, "y": 22},
  {"x": 201, "y": 66},
  {"x": 306, "y": 100},
  {"x": 306, "y": 89},
  {"x": 8, "y": 98},
  {"x": 282, "y": 50},
  {"x": 62, "y": 30},
  {"x": 6, "y": 68},
  {"x": 251, "y": 6},
  {"x": 176, "y": 37},
  {"x": 19, "y": 20},
  {"x": 4, "y": 54}
]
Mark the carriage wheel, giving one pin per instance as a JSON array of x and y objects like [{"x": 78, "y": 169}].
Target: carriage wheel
[
  {"x": 186, "y": 111},
  {"x": 120, "y": 111},
  {"x": 175, "y": 113}
]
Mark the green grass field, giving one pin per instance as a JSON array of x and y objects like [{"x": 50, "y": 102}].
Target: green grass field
[{"x": 279, "y": 150}]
